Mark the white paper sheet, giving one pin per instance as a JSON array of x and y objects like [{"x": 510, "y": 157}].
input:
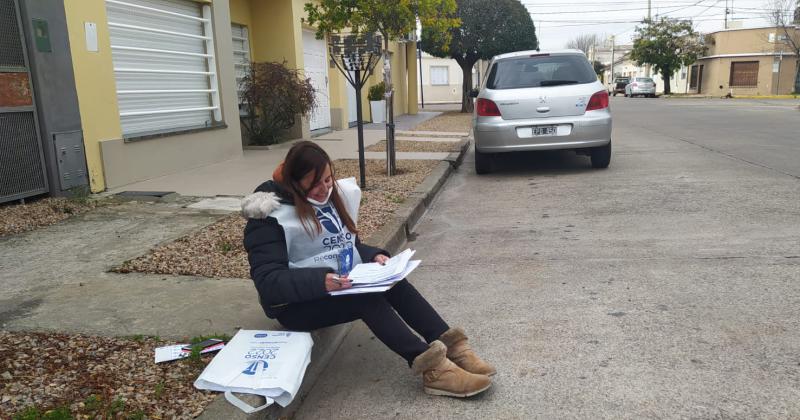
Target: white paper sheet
[
  {"x": 175, "y": 352},
  {"x": 376, "y": 273},
  {"x": 380, "y": 286}
]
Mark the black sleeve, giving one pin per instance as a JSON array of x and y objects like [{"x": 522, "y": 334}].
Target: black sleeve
[
  {"x": 265, "y": 242},
  {"x": 367, "y": 252}
]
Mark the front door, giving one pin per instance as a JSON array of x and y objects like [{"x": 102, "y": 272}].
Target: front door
[
  {"x": 700, "y": 78},
  {"x": 316, "y": 68}
]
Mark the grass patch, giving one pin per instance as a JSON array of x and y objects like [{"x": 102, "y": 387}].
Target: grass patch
[{"x": 35, "y": 413}]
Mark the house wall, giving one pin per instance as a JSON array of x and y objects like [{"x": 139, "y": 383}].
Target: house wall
[
  {"x": 450, "y": 93},
  {"x": 113, "y": 162},
  {"x": 741, "y": 41},
  {"x": 716, "y": 76},
  {"x": 748, "y": 45},
  {"x": 94, "y": 83}
]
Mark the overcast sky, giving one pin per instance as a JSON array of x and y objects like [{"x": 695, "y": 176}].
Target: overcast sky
[{"x": 559, "y": 21}]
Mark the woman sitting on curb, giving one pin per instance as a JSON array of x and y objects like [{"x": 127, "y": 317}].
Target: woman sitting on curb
[{"x": 301, "y": 229}]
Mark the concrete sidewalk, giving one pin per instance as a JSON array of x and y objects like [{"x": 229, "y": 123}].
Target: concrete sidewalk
[
  {"x": 57, "y": 278},
  {"x": 238, "y": 177}
]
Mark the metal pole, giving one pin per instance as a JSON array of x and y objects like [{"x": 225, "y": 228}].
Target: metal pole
[
  {"x": 650, "y": 19},
  {"x": 778, "y": 84},
  {"x": 419, "y": 59},
  {"x": 612, "y": 63},
  {"x": 387, "y": 72},
  {"x": 726, "y": 14},
  {"x": 361, "y": 165}
]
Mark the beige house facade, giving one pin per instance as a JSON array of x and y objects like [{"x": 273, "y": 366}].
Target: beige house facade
[
  {"x": 757, "y": 61},
  {"x": 157, "y": 81},
  {"x": 441, "y": 80}
]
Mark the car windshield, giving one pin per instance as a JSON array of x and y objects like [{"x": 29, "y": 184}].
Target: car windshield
[
  {"x": 539, "y": 71},
  {"x": 644, "y": 80}
]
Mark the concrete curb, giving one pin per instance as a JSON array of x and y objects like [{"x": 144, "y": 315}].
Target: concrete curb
[{"x": 326, "y": 341}]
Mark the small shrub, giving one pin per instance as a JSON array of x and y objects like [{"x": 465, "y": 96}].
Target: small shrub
[
  {"x": 274, "y": 95},
  {"x": 377, "y": 92},
  {"x": 80, "y": 194},
  {"x": 93, "y": 403},
  {"x": 225, "y": 247},
  {"x": 137, "y": 415},
  {"x": 159, "y": 391},
  {"x": 117, "y": 406}
]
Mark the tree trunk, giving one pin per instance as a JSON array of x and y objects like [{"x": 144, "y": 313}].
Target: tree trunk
[
  {"x": 666, "y": 78},
  {"x": 466, "y": 87}
]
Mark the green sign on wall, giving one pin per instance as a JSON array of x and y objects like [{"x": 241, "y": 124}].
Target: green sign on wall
[{"x": 41, "y": 34}]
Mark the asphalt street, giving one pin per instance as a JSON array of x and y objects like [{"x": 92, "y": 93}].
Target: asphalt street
[{"x": 666, "y": 286}]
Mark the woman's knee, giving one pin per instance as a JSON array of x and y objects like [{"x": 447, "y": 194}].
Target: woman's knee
[{"x": 372, "y": 303}]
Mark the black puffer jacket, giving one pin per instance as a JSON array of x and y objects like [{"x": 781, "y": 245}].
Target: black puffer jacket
[{"x": 265, "y": 242}]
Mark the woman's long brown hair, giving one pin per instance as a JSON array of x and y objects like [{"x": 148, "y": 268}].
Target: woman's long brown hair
[{"x": 303, "y": 158}]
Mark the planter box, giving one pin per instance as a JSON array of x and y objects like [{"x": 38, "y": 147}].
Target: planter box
[{"x": 378, "y": 111}]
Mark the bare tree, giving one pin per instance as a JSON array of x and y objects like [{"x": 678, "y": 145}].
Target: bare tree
[
  {"x": 583, "y": 42},
  {"x": 785, "y": 15}
]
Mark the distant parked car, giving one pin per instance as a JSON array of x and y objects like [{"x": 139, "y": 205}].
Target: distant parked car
[
  {"x": 641, "y": 86},
  {"x": 535, "y": 100},
  {"x": 619, "y": 85}
]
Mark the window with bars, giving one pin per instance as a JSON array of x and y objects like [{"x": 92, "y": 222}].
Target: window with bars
[
  {"x": 241, "y": 57},
  {"x": 164, "y": 65},
  {"x": 439, "y": 76},
  {"x": 744, "y": 74}
]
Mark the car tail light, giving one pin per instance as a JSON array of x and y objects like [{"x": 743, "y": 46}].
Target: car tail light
[
  {"x": 598, "y": 101},
  {"x": 487, "y": 108}
]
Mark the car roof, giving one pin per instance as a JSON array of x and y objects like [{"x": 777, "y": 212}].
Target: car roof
[{"x": 536, "y": 52}]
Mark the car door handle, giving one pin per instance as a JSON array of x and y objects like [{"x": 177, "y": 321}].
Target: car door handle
[{"x": 543, "y": 109}]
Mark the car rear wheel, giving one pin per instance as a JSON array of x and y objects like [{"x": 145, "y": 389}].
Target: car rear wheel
[
  {"x": 483, "y": 162},
  {"x": 601, "y": 156}
]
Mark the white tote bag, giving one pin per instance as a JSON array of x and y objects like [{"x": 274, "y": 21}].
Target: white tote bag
[{"x": 266, "y": 363}]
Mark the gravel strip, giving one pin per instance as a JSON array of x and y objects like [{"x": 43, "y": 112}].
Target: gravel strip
[
  {"x": 217, "y": 250},
  {"x": 448, "y": 121},
  {"x": 416, "y": 146},
  {"x": 19, "y": 218},
  {"x": 96, "y": 377}
]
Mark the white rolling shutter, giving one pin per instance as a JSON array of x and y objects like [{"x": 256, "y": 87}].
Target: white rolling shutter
[
  {"x": 241, "y": 56},
  {"x": 164, "y": 65}
]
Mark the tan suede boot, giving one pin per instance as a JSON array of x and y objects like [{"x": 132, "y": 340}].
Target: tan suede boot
[
  {"x": 459, "y": 351},
  {"x": 440, "y": 376}
]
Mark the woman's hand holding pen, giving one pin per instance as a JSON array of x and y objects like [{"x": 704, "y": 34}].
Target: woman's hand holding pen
[
  {"x": 380, "y": 259},
  {"x": 335, "y": 282}
]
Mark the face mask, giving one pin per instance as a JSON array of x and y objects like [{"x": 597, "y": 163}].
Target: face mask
[{"x": 321, "y": 203}]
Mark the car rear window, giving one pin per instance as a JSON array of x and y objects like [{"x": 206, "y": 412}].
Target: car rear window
[
  {"x": 644, "y": 80},
  {"x": 540, "y": 71}
]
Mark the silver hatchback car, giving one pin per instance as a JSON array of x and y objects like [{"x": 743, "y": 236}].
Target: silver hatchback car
[
  {"x": 641, "y": 86},
  {"x": 533, "y": 100}
]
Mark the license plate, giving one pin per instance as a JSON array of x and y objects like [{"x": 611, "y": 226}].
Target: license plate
[{"x": 543, "y": 131}]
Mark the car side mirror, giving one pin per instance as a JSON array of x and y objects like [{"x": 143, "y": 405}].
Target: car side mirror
[{"x": 474, "y": 93}]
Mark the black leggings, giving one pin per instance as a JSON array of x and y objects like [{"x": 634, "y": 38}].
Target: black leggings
[{"x": 388, "y": 315}]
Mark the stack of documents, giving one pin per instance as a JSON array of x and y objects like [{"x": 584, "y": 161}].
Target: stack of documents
[{"x": 374, "y": 277}]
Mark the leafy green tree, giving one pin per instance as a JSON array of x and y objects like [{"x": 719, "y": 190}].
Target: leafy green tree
[
  {"x": 667, "y": 44},
  {"x": 488, "y": 28},
  {"x": 393, "y": 19}
]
